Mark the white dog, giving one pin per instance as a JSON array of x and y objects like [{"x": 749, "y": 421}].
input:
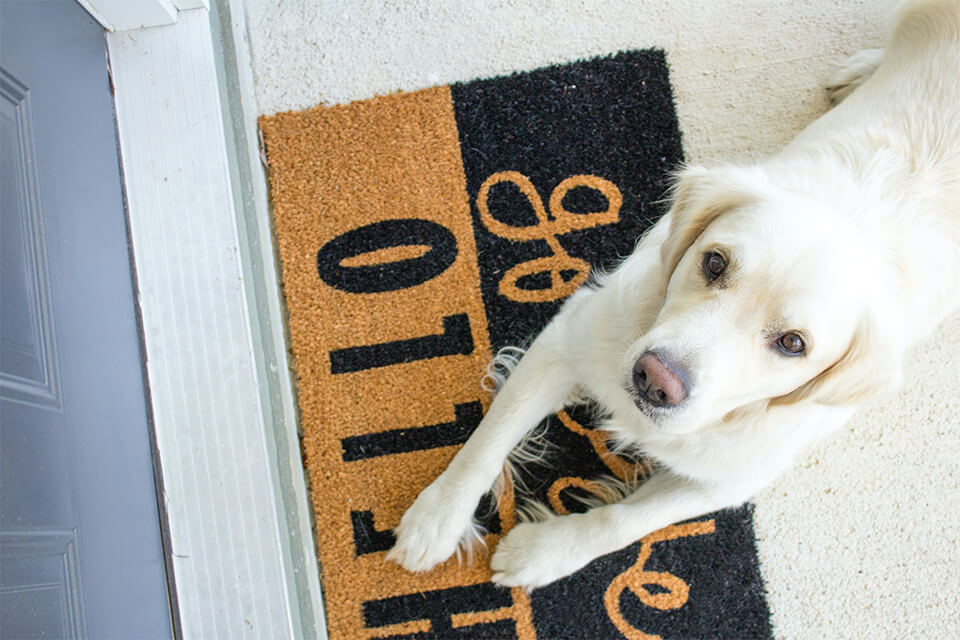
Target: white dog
[{"x": 766, "y": 306}]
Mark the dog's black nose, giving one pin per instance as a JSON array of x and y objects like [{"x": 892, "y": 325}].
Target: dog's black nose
[{"x": 657, "y": 383}]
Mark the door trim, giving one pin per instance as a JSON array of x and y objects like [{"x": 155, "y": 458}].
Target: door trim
[
  {"x": 120, "y": 15},
  {"x": 242, "y": 550}
]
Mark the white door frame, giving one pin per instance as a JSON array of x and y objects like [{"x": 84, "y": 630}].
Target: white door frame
[
  {"x": 120, "y": 15},
  {"x": 223, "y": 409}
]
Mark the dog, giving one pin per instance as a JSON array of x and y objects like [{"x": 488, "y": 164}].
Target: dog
[{"x": 766, "y": 306}]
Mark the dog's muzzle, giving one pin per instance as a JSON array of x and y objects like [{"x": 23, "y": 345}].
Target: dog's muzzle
[{"x": 658, "y": 383}]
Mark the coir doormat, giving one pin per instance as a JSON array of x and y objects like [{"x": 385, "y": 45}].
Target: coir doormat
[{"x": 421, "y": 232}]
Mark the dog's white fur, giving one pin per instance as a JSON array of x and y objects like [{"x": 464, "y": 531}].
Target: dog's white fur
[{"x": 850, "y": 237}]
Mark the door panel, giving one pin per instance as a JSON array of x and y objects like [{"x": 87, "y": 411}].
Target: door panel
[
  {"x": 27, "y": 355},
  {"x": 80, "y": 543}
]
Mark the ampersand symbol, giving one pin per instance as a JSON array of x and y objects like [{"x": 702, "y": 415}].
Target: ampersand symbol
[
  {"x": 548, "y": 228},
  {"x": 673, "y": 592}
]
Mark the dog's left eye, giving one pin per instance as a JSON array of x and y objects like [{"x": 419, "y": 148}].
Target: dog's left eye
[
  {"x": 714, "y": 264},
  {"x": 791, "y": 344}
]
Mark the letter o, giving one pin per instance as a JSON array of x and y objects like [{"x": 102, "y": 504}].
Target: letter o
[{"x": 387, "y": 276}]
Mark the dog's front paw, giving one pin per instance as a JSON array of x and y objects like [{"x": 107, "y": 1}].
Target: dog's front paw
[
  {"x": 534, "y": 554},
  {"x": 433, "y": 529}
]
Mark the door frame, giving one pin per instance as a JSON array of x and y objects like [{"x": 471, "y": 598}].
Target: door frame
[{"x": 207, "y": 286}]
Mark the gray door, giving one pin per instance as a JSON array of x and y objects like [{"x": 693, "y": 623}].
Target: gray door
[{"x": 80, "y": 537}]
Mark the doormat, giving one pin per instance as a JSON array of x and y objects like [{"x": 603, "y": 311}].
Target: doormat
[{"x": 421, "y": 232}]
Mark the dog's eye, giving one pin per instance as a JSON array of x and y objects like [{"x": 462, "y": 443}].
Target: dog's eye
[
  {"x": 791, "y": 344},
  {"x": 714, "y": 265}
]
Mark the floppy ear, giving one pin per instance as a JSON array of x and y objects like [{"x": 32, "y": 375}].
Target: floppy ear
[
  {"x": 698, "y": 197},
  {"x": 869, "y": 367}
]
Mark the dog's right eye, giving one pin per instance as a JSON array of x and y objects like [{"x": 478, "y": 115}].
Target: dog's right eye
[{"x": 714, "y": 265}]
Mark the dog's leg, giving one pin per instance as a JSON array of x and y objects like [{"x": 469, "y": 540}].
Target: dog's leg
[
  {"x": 853, "y": 73},
  {"x": 441, "y": 518},
  {"x": 537, "y": 553}
]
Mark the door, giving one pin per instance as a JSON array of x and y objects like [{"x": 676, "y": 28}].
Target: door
[{"x": 80, "y": 538}]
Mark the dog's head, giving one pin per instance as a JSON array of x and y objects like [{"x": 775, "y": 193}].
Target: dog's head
[{"x": 770, "y": 297}]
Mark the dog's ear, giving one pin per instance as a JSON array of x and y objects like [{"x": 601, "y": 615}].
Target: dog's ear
[
  {"x": 698, "y": 197},
  {"x": 869, "y": 367}
]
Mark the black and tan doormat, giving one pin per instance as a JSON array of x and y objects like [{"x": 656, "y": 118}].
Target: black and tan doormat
[{"x": 421, "y": 232}]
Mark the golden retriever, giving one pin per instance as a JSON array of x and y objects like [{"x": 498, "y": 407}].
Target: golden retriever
[{"x": 765, "y": 307}]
